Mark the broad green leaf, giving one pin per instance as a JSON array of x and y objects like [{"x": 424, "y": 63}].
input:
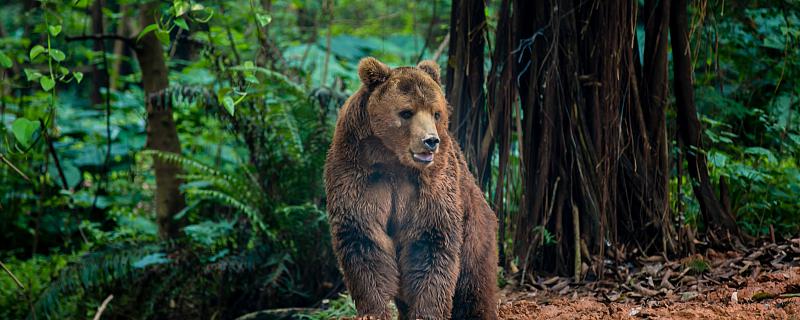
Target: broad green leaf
[
  {"x": 35, "y": 51},
  {"x": 32, "y": 75},
  {"x": 57, "y": 55},
  {"x": 205, "y": 19},
  {"x": 47, "y": 83},
  {"x": 221, "y": 93},
  {"x": 762, "y": 152},
  {"x": 54, "y": 30},
  {"x": 228, "y": 103},
  {"x": 180, "y": 7},
  {"x": 181, "y": 23},
  {"x": 146, "y": 30},
  {"x": 5, "y": 61},
  {"x": 78, "y": 75},
  {"x": 263, "y": 19},
  {"x": 251, "y": 78},
  {"x": 151, "y": 259},
  {"x": 163, "y": 36},
  {"x": 71, "y": 173},
  {"x": 23, "y": 131}
]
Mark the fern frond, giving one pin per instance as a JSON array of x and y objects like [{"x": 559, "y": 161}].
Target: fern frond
[
  {"x": 184, "y": 162},
  {"x": 276, "y": 78},
  {"x": 252, "y": 213},
  {"x": 285, "y": 126},
  {"x": 98, "y": 268}
]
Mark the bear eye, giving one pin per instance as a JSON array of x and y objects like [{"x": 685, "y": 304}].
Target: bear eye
[
  {"x": 406, "y": 114},
  {"x": 437, "y": 115}
]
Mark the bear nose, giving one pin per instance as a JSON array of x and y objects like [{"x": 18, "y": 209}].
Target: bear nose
[{"x": 431, "y": 142}]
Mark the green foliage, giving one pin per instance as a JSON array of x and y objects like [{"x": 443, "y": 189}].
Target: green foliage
[
  {"x": 254, "y": 92},
  {"x": 35, "y": 274},
  {"x": 342, "y": 306},
  {"x": 204, "y": 183},
  {"x": 697, "y": 264},
  {"x": 747, "y": 93}
]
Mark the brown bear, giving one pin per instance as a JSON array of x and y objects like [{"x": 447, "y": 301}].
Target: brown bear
[{"x": 407, "y": 219}]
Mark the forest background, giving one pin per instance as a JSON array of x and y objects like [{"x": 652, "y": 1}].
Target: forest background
[{"x": 163, "y": 159}]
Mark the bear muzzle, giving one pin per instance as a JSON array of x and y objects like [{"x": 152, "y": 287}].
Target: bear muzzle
[{"x": 430, "y": 144}]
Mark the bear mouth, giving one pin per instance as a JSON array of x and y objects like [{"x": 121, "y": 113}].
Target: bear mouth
[{"x": 423, "y": 157}]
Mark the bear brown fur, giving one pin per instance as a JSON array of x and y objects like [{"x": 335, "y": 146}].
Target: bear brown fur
[{"x": 408, "y": 221}]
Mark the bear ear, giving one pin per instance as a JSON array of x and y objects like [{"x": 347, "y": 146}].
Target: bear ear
[
  {"x": 372, "y": 72},
  {"x": 431, "y": 68}
]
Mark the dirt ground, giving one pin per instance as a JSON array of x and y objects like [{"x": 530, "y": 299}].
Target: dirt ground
[{"x": 761, "y": 283}]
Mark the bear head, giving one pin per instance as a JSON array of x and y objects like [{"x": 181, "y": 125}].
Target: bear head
[{"x": 407, "y": 110}]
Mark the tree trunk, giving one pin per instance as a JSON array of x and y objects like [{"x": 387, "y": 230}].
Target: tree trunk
[
  {"x": 714, "y": 215},
  {"x": 645, "y": 176},
  {"x": 654, "y": 96},
  {"x": 591, "y": 131},
  {"x": 161, "y": 132},
  {"x": 591, "y": 144},
  {"x": 502, "y": 93},
  {"x": 464, "y": 83}
]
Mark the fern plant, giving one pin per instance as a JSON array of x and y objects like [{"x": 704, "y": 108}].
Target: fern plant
[{"x": 204, "y": 183}]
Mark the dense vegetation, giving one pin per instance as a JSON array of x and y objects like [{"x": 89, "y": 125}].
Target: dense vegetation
[{"x": 170, "y": 153}]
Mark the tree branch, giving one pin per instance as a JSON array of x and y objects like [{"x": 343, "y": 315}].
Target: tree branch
[
  {"x": 103, "y": 307},
  {"x": 55, "y": 155},
  {"x": 8, "y": 163}
]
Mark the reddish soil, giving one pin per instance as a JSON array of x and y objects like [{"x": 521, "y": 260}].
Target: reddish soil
[{"x": 762, "y": 283}]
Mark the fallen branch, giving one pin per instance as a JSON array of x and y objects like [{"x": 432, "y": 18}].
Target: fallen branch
[
  {"x": 103, "y": 307},
  {"x": 576, "y": 224},
  {"x": 24, "y": 291},
  {"x": 12, "y": 275},
  {"x": 3, "y": 158}
]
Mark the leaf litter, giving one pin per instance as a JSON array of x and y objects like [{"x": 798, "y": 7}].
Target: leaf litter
[{"x": 756, "y": 283}]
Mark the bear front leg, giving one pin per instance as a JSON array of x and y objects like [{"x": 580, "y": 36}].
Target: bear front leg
[
  {"x": 366, "y": 256},
  {"x": 430, "y": 266},
  {"x": 476, "y": 290}
]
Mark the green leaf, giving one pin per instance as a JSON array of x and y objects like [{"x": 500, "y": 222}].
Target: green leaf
[
  {"x": 32, "y": 75},
  {"x": 147, "y": 30},
  {"x": 57, "y": 55},
  {"x": 244, "y": 94},
  {"x": 78, "y": 75},
  {"x": 23, "y": 131},
  {"x": 163, "y": 36},
  {"x": 35, "y": 51},
  {"x": 47, "y": 83},
  {"x": 181, "y": 23},
  {"x": 151, "y": 259},
  {"x": 54, "y": 30},
  {"x": 180, "y": 7},
  {"x": 762, "y": 152},
  {"x": 251, "y": 79},
  {"x": 227, "y": 102},
  {"x": 71, "y": 173},
  {"x": 5, "y": 61},
  {"x": 221, "y": 93},
  {"x": 263, "y": 19},
  {"x": 208, "y": 11}
]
